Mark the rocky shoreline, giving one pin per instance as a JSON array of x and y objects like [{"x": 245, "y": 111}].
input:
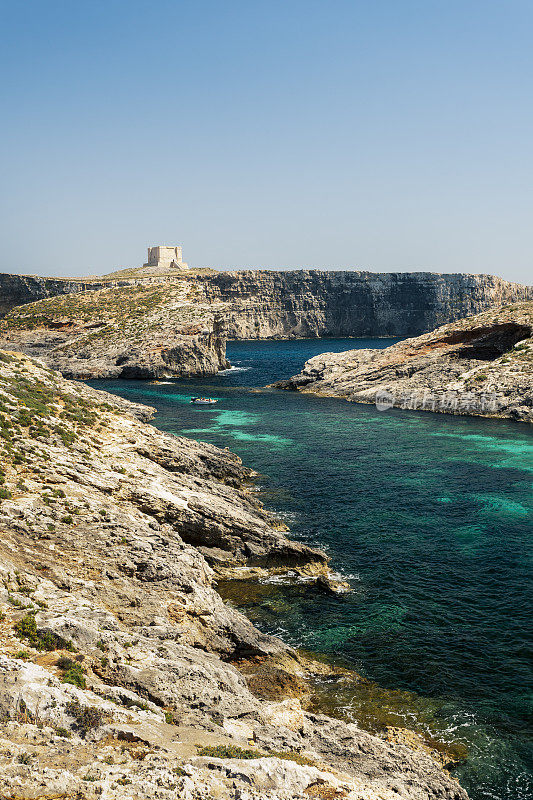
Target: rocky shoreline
[
  {"x": 122, "y": 671},
  {"x": 478, "y": 366}
]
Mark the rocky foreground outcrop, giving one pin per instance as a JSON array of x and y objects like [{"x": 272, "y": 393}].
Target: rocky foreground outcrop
[
  {"x": 482, "y": 365},
  {"x": 117, "y": 655},
  {"x": 141, "y": 330}
]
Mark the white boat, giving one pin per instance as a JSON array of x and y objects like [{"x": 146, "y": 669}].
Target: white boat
[{"x": 203, "y": 401}]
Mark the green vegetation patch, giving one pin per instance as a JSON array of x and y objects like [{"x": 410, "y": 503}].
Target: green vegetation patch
[
  {"x": 35, "y": 408},
  {"x": 232, "y": 751},
  {"x": 26, "y": 629},
  {"x": 86, "y": 718},
  {"x": 73, "y": 672},
  {"x": 227, "y": 751},
  {"x": 114, "y": 303}
]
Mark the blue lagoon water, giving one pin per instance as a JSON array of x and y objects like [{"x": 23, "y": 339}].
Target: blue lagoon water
[{"x": 429, "y": 516}]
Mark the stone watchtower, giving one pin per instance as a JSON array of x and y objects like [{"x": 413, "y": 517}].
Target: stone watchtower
[{"x": 166, "y": 256}]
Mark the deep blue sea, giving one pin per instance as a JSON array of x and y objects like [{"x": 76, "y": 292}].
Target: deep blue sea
[{"x": 430, "y": 517}]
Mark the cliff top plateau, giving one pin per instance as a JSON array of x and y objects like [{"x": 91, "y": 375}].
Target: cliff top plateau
[{"x": 147, "y": 330}]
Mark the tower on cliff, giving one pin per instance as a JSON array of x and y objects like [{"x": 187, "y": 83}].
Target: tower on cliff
[{"x": 166, "y": 256}]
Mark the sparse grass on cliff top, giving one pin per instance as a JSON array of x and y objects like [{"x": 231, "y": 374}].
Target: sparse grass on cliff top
[
  {"x": 38, "y": 411},
  {"x": 154, "y": 272},
  {"x": 100, "y": 306},
  {"x": 114, "y": 314}
]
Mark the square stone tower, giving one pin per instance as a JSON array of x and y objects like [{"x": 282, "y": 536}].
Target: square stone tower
[{"x": 166, "y": 256}]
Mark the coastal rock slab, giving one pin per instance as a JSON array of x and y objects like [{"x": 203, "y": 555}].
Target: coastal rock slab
[
  {"x": 481, "y": 366},
  {"x": 115, "y": 647}
]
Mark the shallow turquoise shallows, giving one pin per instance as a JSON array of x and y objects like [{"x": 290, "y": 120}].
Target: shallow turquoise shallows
[{"x": 429, "y": 516}]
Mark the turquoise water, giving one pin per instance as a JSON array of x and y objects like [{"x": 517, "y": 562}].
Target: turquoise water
[{"x": 430, "y": 517}]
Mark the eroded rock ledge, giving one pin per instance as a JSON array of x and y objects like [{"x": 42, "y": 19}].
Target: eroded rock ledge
[
  {"x": 481, "y": 366},
  {"x": 115, "y": 648}
]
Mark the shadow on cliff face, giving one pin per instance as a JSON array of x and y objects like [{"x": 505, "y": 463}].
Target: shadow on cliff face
[{"x": 487, "y": 343}]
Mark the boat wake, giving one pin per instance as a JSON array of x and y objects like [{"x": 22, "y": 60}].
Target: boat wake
[{"x": 233, "y": 369}]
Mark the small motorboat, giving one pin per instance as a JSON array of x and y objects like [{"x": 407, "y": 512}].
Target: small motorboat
[{"x": 204, "y": 401}]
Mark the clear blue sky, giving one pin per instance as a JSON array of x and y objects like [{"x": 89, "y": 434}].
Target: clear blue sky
[{"x": 370, "y": 134}]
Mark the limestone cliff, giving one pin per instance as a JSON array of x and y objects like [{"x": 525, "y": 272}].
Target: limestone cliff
[
  {"x": 307, "y": 303},
  {"x": 135, "y": 324},
  {"x": 481, "y": 365},
  {"x": 267, "y": 304},
  {"x": 118, "y": 674}
]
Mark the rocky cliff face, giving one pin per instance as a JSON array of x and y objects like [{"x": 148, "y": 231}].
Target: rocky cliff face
[
  {"x": 308, "y": 303},
  {"x": 140, "y": 330},
  {"x": 118, "y": 673},
  {"x": 482, "y": 365},
  {"x": 265, "y": 304},
  {"x": 135, "y": 325}
]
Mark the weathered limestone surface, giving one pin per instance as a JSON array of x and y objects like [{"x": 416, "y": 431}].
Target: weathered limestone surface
[
  {"x": 482, "y": 365},
  {"x": 313, "y": 303},
  {"x": 116, "y": 652}
]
